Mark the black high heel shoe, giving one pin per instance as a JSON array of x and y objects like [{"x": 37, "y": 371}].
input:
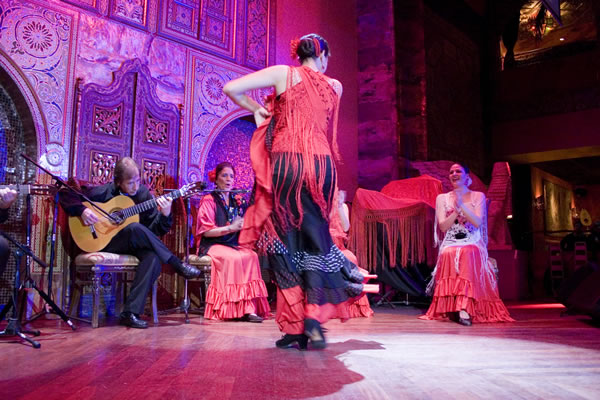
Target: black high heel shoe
[
  {"x": 465, "y": 321},
  {"x": 288, "y": 340},
  {"x": 313, "y": 330}
]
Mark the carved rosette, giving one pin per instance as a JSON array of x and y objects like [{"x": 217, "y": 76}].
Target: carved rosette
[
  {"x": 102, "y": 167},
  {"x": 156, "y": 131},
  {"x": 210, "y": 105},
  {"x": 153, "y": 175},
  {"x": 108, "y": 121}
]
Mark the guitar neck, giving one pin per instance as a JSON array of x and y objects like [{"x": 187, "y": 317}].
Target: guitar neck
[
  {"x": 148, "y": 204},
  {"x": 29, "y": 188}
]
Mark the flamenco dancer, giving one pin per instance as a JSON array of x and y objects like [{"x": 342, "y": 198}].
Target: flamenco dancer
[{"x": 296, "y": 191}]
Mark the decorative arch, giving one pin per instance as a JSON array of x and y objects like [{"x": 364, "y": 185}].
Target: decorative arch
[
  {"x": 35, "y": 127},
  {"x": 214, "y": 133}
]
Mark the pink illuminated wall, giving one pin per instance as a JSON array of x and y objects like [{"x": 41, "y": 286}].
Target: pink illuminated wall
[{"x": 335, "y": 20}]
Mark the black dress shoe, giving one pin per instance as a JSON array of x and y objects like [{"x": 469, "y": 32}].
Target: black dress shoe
[
  {"x": 287, "y": 341},
  {"x": 131, "y": 320},
  {"x": 312, "y": 329},
  {"x": 189, "y": 272},
  {"x": 252, "y": 318}
]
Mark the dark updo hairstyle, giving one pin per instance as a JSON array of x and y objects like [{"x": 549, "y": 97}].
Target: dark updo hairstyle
[
  {"x": 221, "y": 166},
  {"x": 464, "y": 167},
  {"x": 309, "y": 46},
  {"x": 469, "y": 180}
]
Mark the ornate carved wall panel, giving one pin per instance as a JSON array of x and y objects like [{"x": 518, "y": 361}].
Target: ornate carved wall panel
[
  {"x": 104, "y": 127},
  {"x": 237, "y": 30},
  {"x": 92, "y": 5},
  {"x": 102, "y": 167},
  {"x": 208, "y": 25},
  {"x": 257, "y": 33},
  {"x": 153, "y": 174},
  {"x": 37, "y": 37},
  {"x": 127, "y": 118},
  {"x": 211, "y": 109},
  {"x": 133, "y": 12}
]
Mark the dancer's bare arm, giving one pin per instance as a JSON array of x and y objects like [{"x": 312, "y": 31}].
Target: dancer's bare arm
[{"x": 275, "y": 76}]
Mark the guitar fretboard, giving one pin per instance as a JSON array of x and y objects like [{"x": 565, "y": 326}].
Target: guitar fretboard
[{"x": 148, "y": 205}]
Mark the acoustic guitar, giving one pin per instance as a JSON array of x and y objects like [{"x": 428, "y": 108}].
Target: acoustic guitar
[{"x": 123, "y": 212}]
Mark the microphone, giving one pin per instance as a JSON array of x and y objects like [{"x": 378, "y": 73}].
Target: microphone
[{"x": 231, "y": 191}]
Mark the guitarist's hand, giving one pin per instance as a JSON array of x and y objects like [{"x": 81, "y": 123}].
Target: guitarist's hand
[
  {"x": 7, "y": 197},
  {"x": 164, "y": 204},
  {"x": 88, "y": 217}
]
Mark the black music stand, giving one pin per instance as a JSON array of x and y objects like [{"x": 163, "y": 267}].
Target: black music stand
[{"x": 14, "y": 324}]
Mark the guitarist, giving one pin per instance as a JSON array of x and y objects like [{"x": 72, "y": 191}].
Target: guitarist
[
  {"x": 7, "y": 197},
  {"x": 138, "y": 239}
]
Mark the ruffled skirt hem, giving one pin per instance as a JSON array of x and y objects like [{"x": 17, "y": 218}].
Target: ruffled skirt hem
[{"x": 237, "y": 300}]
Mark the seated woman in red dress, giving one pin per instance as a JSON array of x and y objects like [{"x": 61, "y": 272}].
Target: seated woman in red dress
[
  {"x": 464, "y": 279},
  {"x": 236, "y": 290}
]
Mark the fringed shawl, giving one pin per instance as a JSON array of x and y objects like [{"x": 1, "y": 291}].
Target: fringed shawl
[
  {"x": 405, "y": 222},
  {"x": 303, "y": 122}
]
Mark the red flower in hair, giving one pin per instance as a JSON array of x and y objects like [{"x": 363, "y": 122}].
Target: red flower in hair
[
  {"x": 294, "y": 44},
  {"x": 212, "y": 175}
]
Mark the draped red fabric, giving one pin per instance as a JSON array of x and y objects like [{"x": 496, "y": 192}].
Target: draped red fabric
[
  {"x": 424, "y": 187},
  {"x": 408, "y": 222}
]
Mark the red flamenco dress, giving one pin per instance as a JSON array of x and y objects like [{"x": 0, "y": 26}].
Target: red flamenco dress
[
  {"x": 236, "y": 286},
  {"x": 464, "y": 278},
  {"x": 295, "y": 189}
]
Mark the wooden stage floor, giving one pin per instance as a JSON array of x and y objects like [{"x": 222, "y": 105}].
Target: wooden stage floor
[{"x": 393, "y": 355}]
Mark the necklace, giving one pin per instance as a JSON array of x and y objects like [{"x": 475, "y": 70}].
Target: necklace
[{"x": 230, "y": 210}]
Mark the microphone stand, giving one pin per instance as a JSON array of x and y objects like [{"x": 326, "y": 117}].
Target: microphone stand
[
  {"x": 60, "y": 183},
  {"x": 185, "y": 305},
  {"x": 14, "y": 325},
  {"x": 46, "y": 310}
]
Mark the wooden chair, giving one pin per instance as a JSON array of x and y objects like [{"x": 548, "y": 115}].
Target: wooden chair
[
  {"x": 96, "y": 265},
  {"x": 89, "y": 268},
  {"x": 557, "y": 271},
  {"x": 203, "y": 263}
]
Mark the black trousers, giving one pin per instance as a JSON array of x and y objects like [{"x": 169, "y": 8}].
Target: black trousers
[
  {"x": 141, "y": 242},
  {"x": 4, "y": 254}
]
